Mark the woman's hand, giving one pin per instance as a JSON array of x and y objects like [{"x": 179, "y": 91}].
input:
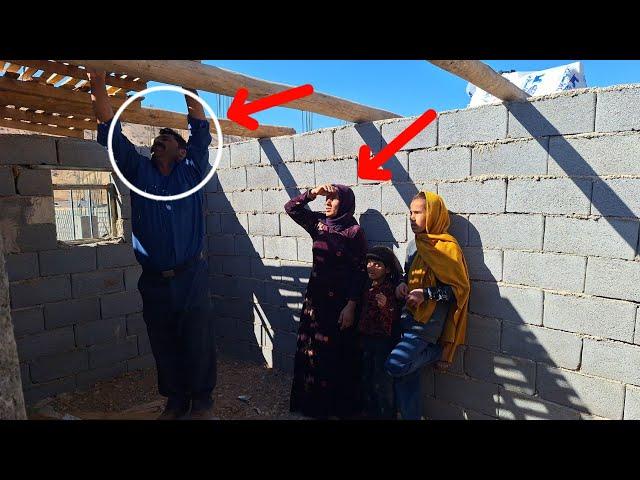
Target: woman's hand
[
  {"x": 347, "y": 315},
  {"x": 323, "y": 190},
  {"x": 381, "y": 300},
  {"x": 415, "y": 298},
  {"x": 402, "y": 291}
]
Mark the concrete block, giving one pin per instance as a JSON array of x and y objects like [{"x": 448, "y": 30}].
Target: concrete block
[
  {"x": 594, "y": 155},
  {"x": 76, "y": 259},
  {"x": 289, "y": 228},
  {"x": 40, "y": 236},
  {"x": 219, "y": 202},
  {"x": 265, "y": 268},
  {"x": 262, "y": 177},
  {"x": 101, "y": 331},
  {"x": 245, "y": 153},
  {"x": 110, "y": 353},
  {"x": 34, "y": 182},
  {"x": 612, "y": 360},
  {"x": 632, "y": 403},
  {"x": 507, "y": 231},
  {"x": 618, "y": 110},
  {"x": 603, "y": 238},
  {"x": 225, "y": 156},
  {"x": 74, "y": 152},
  {"x": 264, "y": 224},
  {"x": 22, "y": 266},
  {"x": 546, "y": 270},
  {"x": 249, "y": 246},
  {"x": 425, "y": 139},
  {"x": 554, "y": 347},
  {"x": 116, "y": 255},
  {"x": 96, "y": 283},
  {"x": 296, "y": 175},
  {"x": 313, "y": 146},
  {"x": 121, "y": 303},
  {"x": 511, "y": 158},
  {"x": 483, "y": 332},
  {"x": 591, "y": 316},
  {"x": 484, "y": 264},
  {"x": 387, "y": 228},
  {"x": 276, "y": 150},
  {"x": 344, "y": 172},
  {"x": 143, "y": 362},
  {"x": 305, "y": 250},
  {"x": 234, "y": 223},
  {"x": 506, "y": 302},
  {"x": 368, "y": 197},
  {"x": 71, "y": 312},
  {"x": 284, "y": 248},
  {"x": 604, "y": 278},
  {"x": 541, "y": 196},
  {"x": 248, "y": 201},
  {"x": 52, "y": 367},
  {"x": 617, "y": 197},
  {"x": 518, "y": 406},
  {"x": 514, "y": 374},
  {"x": 440, "y": 164},
  {"x": 232, "y": 179},
  {"x": 239, "y": 266},
  {"x": 480, "y": 124},
  {"x": 135, "y": 324},
  {"x": 40, "y": 290},
  {"x": 581, "y": 392},
  {"x": 27, "y": 150},
  {"x": 213, "y": 223},
  {"x": 45, "y": 343},
  {"x": 131, "y": 277},
  {"x": 459, "y": 228},
  {"x": 474, "y": 197},
  {"x": 7, "y": 182},
  {"x": 27, "y": 321},
  {"x": 44, "y": 390},
  {"x": 348, "y": 140},
  {"x": 550, "y": 117},
  {"x": 221, "y": 244},
  {"x": 479, "y": 396}
]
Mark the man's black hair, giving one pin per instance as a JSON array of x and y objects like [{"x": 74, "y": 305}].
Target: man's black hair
[{"x": 170, "y": 131}]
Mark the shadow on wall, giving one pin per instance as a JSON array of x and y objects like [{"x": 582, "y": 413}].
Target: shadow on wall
[{"x": 497, "y": 374}]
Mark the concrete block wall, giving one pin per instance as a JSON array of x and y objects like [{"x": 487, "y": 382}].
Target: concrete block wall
[
  {"x": 76, "y": 310},
  {"x": 544, "y": 200}
]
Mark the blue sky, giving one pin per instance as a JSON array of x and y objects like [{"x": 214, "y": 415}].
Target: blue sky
[{"x": 406, "y": 87}]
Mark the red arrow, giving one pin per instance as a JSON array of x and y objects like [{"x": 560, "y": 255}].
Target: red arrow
[
  {"x": 369, "y": 168},
  {"x": 239, "y": 111}
]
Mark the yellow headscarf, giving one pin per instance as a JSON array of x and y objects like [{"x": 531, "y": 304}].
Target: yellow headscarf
[{"x": 440, "y": 256}]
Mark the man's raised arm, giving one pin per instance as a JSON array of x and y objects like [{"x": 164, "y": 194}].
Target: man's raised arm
[
  {"x": 124, "y": 152},
  {"x": 200, "y": 136}
]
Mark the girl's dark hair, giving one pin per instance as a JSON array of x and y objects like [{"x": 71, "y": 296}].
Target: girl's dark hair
[
  {"x": 170, "y": 131},
  {"x": 386, "y": 256}
]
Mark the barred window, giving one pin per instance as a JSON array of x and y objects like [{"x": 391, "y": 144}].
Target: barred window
[{"x": 85, "y": 205}]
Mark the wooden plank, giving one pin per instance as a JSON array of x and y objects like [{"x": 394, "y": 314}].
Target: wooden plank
[
  {"x": 28, "y": 73},
  {"x": 12, "y": 70},
  {"x": 35, "y": 88},
  {"x": 34, "y": 127},
  {"x": 47, "y": 119},
  {"x": 142, "y": 116},
  {"x": 213, "y": 79},
  {"x": 54, "y": 78},
  {"x": 484, "y": 77},
  {"x": 75, "y": 72}
]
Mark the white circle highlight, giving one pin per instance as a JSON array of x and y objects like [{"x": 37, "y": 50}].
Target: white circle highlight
[{"x": 151, "y": 196}]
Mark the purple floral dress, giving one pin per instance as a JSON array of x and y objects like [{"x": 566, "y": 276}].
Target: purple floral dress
[{"x": 327, "y": 362}]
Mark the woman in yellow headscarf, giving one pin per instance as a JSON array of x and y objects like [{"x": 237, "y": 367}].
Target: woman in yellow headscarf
[{"x": 436, "y": 291}]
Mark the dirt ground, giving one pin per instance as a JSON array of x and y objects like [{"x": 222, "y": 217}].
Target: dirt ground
[{"x": 263, "y": 392}]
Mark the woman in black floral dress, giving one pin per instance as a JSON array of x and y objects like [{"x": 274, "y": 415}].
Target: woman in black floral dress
[{"x": 326, "y": 379}]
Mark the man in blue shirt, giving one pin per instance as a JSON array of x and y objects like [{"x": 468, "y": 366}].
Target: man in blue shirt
[{"x": 168, "y": 241}]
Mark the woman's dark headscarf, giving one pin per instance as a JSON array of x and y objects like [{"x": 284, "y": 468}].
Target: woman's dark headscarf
[{"x": 347, "y": 207}]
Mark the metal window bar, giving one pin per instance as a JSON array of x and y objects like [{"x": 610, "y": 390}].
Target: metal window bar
[{"x": 101, "y": 209}]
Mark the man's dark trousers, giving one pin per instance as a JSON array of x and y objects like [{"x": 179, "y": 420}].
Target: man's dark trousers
[{"x": 178, "y": 315}]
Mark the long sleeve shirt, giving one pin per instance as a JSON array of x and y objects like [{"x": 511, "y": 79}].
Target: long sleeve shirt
[{"x": 164, "y": 234}]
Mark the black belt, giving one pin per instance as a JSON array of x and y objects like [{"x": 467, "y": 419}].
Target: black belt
[{"x": 178, "y": 269}]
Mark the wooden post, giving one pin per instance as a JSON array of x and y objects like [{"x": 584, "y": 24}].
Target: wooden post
[{"x": 484, "y": 77}]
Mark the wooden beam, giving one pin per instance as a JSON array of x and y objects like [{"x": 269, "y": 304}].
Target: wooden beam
[
  {"x": 34, "y": 127},
  {"x": 39, "y": 89},
  {"x": 47, "y": 118},
  {"x": 142, "y": 116},
  {"x": 213, "y": 79},
  {"x": 75, "y": 72},
  {"x": 484, "y": 77},
  {"x": 28, "y": 73},
  {"x": 12, "y": 70}
]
